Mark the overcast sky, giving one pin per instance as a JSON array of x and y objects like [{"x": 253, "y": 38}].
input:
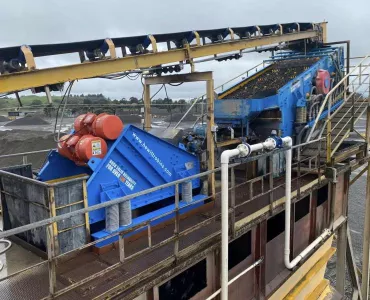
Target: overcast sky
[{"x": 54, "y": 21}]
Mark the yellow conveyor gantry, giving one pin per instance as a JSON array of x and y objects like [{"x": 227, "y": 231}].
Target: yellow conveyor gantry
[{"x": 144, "y": 52}]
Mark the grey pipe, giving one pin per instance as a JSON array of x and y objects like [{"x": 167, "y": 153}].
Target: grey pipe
[
  {"x": 300, "y": 134},
  {"x": 310, "y": 113}
]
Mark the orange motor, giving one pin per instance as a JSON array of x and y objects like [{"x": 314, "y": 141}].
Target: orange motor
[
  {"x": 107, "y": 126},
  {"x": 83, "y": 123},
  {"x": 90, "y": 146},
  {"x": 66, "y": 146}
]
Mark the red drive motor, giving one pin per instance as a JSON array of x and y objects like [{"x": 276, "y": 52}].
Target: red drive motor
[
  {"x": 106, "y": 126},
  {"x": 89, "y": 137},
  {"x": 90, "y": 146},
  {"x": 66, "y": 145},
  {"x": 83, "y": 123},
  {"x": 323, "y": 82},
  {"x": 81, "y": 149}
]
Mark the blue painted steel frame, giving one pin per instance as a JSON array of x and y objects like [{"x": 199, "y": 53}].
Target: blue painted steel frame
[
  {"x": 287, "y": 99},
  {"x": 135, "y": 162}
]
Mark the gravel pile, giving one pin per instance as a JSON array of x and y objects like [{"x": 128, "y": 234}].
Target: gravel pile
[
  {"x": 175, "y": 117},
  {"x": 19, "y": 141},
  {"x": 130, "y": 119},
  {"x": 28, "y": 120},
  {"x": 269, "y": 82}
]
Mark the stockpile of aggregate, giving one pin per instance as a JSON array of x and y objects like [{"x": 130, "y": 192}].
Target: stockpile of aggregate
[
  {"x": 175, "y": 117},
  {"x": 19, "y": 141},
  {"x": 130, "y": 119},
  {"x": 28, "y": 120}
]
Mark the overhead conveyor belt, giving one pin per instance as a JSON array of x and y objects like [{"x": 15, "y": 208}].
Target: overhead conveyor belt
[{"x": 185, "y": 46}]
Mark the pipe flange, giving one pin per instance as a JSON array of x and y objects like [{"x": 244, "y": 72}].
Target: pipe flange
[
  {"x": 327, "y": 231},
  {"x": 244, "y": 150},
  {"x": 271, "y": 143}
]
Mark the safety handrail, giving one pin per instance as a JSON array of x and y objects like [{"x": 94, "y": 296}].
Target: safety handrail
[
  {"x": 218, "y": 87},
  {"x": 48, "y": 221},
  {"x": 329, "y": 95},
  {"x": 352, "y": 110}
]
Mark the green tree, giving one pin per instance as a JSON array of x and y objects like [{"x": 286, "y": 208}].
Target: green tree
[
  {"x": 134, "y": 100},
  {"x": 36, "y": 102},
  {"x": 49, "y": 111},
  {"x": 182, "y": 105},
  {"x": 168, "y": 104}
]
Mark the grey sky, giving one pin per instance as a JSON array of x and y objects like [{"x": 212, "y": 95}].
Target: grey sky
[{"x": 53, "y": 21}]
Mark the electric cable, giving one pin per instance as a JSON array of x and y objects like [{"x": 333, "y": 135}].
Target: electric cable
[
  {"x": 176, "y": 84},
  {"x": 60, "y": 104},
  {"x": 64, "y": 107},
  {"x": 157, "y": 92},
  {"x": 131, "y": 77}
]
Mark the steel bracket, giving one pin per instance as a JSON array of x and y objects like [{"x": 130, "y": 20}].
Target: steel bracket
[
  {"x": 232, "y": 35},
  {"x": 153, "y": 42},
  {"x": 197, "y": 37},
  {"x": 28, "y": 56},
  {"x": 188, "y": 57},
  {"x": 331, "y": 174},
  {"x": 112, "y": 48}
]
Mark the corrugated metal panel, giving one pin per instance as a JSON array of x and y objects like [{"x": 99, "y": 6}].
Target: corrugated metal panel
[
  {"x": 26, "y": 202},
  {"x": 66, "y": 194}
]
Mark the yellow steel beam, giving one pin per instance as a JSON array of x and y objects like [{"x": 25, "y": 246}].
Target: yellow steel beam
[
  {"x": 312, "y": 279},
  {"x": 302, "y": 282},
  {"x": 29, "y": 79}
]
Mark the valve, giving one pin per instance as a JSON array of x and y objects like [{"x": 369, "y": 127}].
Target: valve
[
  {"x": 244, "y": 150},
  {"x": 275, "y": 139}
]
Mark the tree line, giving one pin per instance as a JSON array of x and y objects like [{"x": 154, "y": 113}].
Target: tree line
[{"x": 98, "y": 103}]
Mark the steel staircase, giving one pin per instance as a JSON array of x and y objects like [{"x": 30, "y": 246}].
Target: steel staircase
[{"x": 333, "y": 130}]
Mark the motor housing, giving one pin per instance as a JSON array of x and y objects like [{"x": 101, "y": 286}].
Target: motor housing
[
  {"x": 83, "y": 123},
  {"x": 323, "y": 81},
  {"x": 90, "y": 146},
  {"x": 66, "y": 146},
  {"x": 106, "y": 126},
  {"x": 81, "y": 149}
]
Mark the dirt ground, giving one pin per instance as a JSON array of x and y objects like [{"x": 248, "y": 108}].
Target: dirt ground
[
  {"x": 28, "y": 120},
  {"x": 35, "y": 133},
  {"x": 17, "y": 141}
]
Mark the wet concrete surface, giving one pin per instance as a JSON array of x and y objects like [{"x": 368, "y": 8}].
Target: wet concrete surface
[{"x": 16, "y": 258}]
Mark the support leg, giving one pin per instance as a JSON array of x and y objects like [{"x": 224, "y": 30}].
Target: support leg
[
  {"x": 341, "y": 259},
  {"x": 352, "y": 269}
]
